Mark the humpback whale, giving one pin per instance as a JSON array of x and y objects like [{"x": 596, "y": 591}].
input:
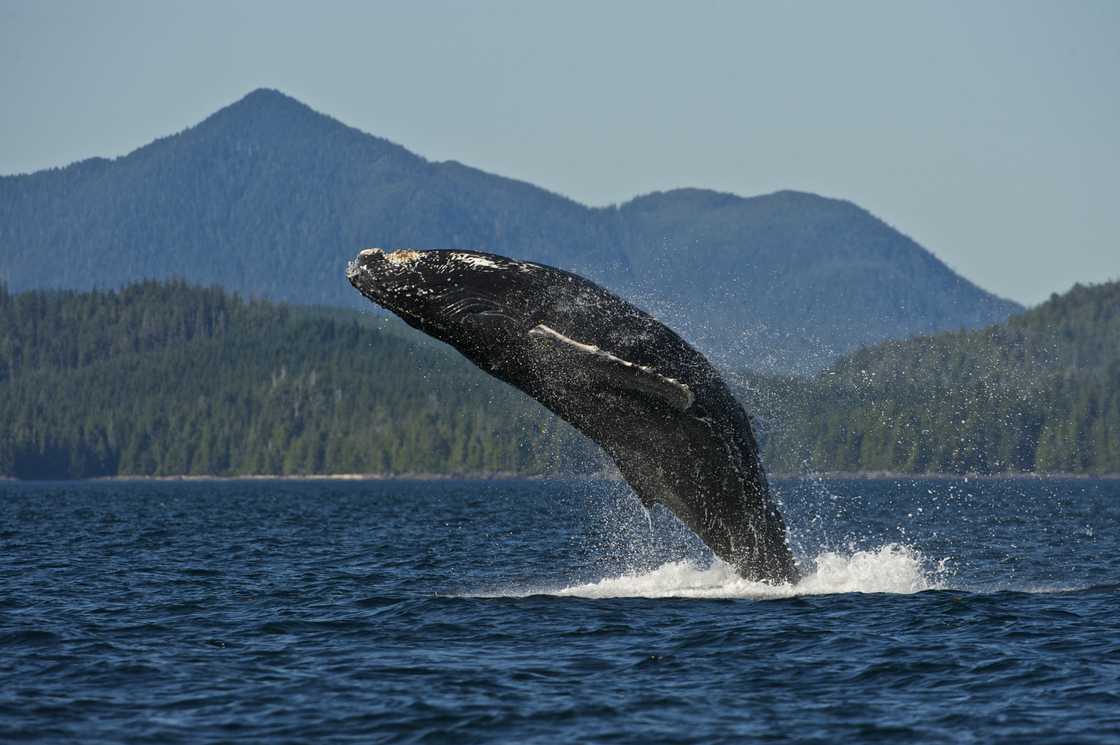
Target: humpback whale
[{"x": 654, "y": 404}]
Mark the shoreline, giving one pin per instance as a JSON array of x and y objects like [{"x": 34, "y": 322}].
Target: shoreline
[{"x": 508, "y": 476}]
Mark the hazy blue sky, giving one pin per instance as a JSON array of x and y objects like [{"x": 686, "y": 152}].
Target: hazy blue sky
[{"x": 989, "y": 132}]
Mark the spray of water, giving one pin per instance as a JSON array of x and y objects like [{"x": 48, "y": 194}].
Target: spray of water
[
  {"x": 889, "y": 569},
  {"x": 640, "y": 553}
]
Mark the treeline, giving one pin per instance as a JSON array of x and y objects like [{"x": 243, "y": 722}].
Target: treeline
[
  {"x": 166, "y": 379},
  {"x": 169, "y": 379}
]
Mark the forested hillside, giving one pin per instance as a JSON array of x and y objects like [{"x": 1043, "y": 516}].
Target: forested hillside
[
  {"x": 1038, "y": 393},
  {"x": 165, "y": 379},
  {"x": 269, "y": 198}
]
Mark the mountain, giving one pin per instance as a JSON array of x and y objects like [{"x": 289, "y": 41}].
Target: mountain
[
  {"x": 791, "y": 280},
  {"x": 270, "y": 198}
]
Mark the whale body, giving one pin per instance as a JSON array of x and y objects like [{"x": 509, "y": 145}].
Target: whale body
[{"x": 654, "y": 404}]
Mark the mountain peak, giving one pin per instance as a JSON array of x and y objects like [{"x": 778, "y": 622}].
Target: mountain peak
[
  {"x": 799, "y": 206},
  {"x": 269, "y": 93},
  {"x": 269, "y": 118},
  {"x": 266, "y": 104},
  {"x": 269, "y": 98}
]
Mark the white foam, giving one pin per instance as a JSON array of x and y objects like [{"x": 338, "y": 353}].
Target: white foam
[{"x": 892, "y": 568}]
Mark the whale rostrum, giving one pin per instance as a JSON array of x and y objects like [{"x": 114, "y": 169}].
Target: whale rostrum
[{"x": 654, "y": 404}]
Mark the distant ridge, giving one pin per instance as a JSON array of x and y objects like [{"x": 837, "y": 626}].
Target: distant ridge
[{"x": 268, "y": 197}]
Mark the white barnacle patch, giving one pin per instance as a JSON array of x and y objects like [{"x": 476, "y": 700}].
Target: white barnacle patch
[
  {"x": 648, "y": 380},
  {"x": 402, "y": 257},
  {"x": 478, "y": 261},
  {"x": 475, "y": 261}
]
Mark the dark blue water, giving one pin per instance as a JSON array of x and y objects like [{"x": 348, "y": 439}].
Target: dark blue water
[{"x": 932, "y": 611}]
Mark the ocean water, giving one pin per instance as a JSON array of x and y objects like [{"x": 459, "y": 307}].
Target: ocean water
[{"x": 470, "y": 612}]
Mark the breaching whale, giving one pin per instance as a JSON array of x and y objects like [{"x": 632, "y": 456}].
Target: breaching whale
[{"x": 655, "y": 405}]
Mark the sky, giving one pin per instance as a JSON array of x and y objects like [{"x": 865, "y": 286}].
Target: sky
[{"x": 987, "y": 131}]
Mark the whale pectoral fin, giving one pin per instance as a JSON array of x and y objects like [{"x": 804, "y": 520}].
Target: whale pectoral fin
[
  {"x": 643, "y": 380},
  {"x": 622, "y": 373}
]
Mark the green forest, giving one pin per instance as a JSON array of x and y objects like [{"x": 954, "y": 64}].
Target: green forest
[
  {"x": 1039, "y": 393},
  {"x": 163, "y": 379},
  {"x": 166, "y": 379}
]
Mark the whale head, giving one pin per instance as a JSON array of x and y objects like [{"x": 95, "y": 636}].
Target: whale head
[{"x": 454, "y": 296}]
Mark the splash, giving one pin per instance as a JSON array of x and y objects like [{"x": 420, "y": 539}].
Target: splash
[{"x": 892, "y": 568}]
